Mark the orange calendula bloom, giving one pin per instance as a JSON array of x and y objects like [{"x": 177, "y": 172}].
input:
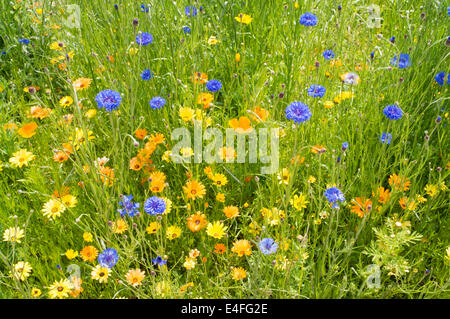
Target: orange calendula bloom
[
  {"x": 135, "y": 164},
  {"x": 157, "y": 138},
  {"x": 89, "y": 253},
  {"x": 242, "y": 247},
  {"x": 157, "y": 183},
  {"x": 28, "y": 130},
  {"x": 60, "y": 157},
  {"x": 200, "y": 77},
  {"x": 382, "y": 195},
  {"x": 399, "y": 183},
  {"x": 107, "y": 175},
  {"x": 194, "y": 189},
  {"x": 81, "y": 83},
  {"x": 37, "y": 112},
  {"x": 238, "y": 273},
  {"x": 196, "y": 222},
  {"x": 140, "y": 133},
  {"x": 243, "y": 125},
  {"x": 205, "y": 99},
  {"x": 220, "y": 248},
  {"x": 231, "y": 211},
  {"x": 361, "y": 206},
  {"x": 261, "y": 114}
]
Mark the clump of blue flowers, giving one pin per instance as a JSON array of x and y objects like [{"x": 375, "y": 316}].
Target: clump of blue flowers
[
  {"x": 146, "y": 74},
  {"x": 108, "y": 99},
  {"x": 130, "y": 208},
  {"x": 144, "y": 38},
  {"x": 24, "y": 41},
  {"x": 402, "y": 61},
  {"x": 393, "y": 112},
  {"x": 191, "y": 11},
  {"x": 213, "y": 85},
  {"x": 316, "y": 90},
  {"x": 108, "y": 258},
  {"x": 334, "y": 195},
  {"x": 385, "y": 138},
  {"x": 328, "y": 54},
  {"x": 308, "y": 19},
  {"x": 157, "y": 102},
  {"x": 268, "y": 246},
  {"x": 155, "y": 205},
  {"x": 440, "y": 78},
  {"x": 298, "y": 112},
  {"x": 159, "y": 261}
]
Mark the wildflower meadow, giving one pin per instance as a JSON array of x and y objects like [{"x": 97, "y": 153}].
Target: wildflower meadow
[{"x": 224, "y": 149}]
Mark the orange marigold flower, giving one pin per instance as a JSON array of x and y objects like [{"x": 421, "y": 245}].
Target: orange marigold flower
[
  {"x": 205, "y": 99},
  {"x": 399, "y": 183},
  {"x": 220, "y": 248},
  {"x": 89, "y": 253},
  {"x": 242, "y": 247},
  {"x": 194, "y": 189},
  {"x": 107, "y": 175},
  {"x": 196, "y": 222},
  {"x": 382, "y": 194},
  {"x": 82, "y": 83},
  {"x": 262, "y": 114},
  {"x": 157, "y": 138},
  {"x": 60, "y": 157},
  {"x": 157, "y": 186},
  {"x": 200, "y": 77},
  {"x": 243, "y": 125},
  {"x": 231, "y": 211},
  {"x": 28, "y": 130},
  {"x": 38, "y": 112},
  {"x": 140, "y": 133},
  {"x": 361, "y": 206}
]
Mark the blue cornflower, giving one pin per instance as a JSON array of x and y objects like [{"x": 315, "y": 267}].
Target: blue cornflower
[
  {"x": 108, "y": 99},
  {"x": 146, "y": 74},
  {"x": 401, "y": 61},
  {"x": 155, "y": 205},
  {"x": 159, "y": 261},
  {"x": 372, "y": 54},
  {"x": 440, "y": 78},
  {"x": 186, "y": 29},
  {"x": 144, "y": 38},
  {"x": 385, "y": 138},
  {"x": 268, "y": 246},
  {"x": 108, "y": 258},
  {"x": 308, "y": 19},
  {"x": 448, "y": 11},
  {"x": 344, "y": 146},
  {"x": 157, "y": 102},
  {"x": 328, "y": 54},
  {"x": 316, "y": 90},
  {"x": 334, "y": 195},
  {"x": 298, "y": 112},
  {"x": 130, "y": 208},
  {"x": 24, "y": 41},
  {"x": 144, "y": 8},
  {"x": 188, "y": 13},
  {"x": 213, "y": 85},
  {"x": 392, "y": 39},
  {"x": 393, "y": 112}
]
